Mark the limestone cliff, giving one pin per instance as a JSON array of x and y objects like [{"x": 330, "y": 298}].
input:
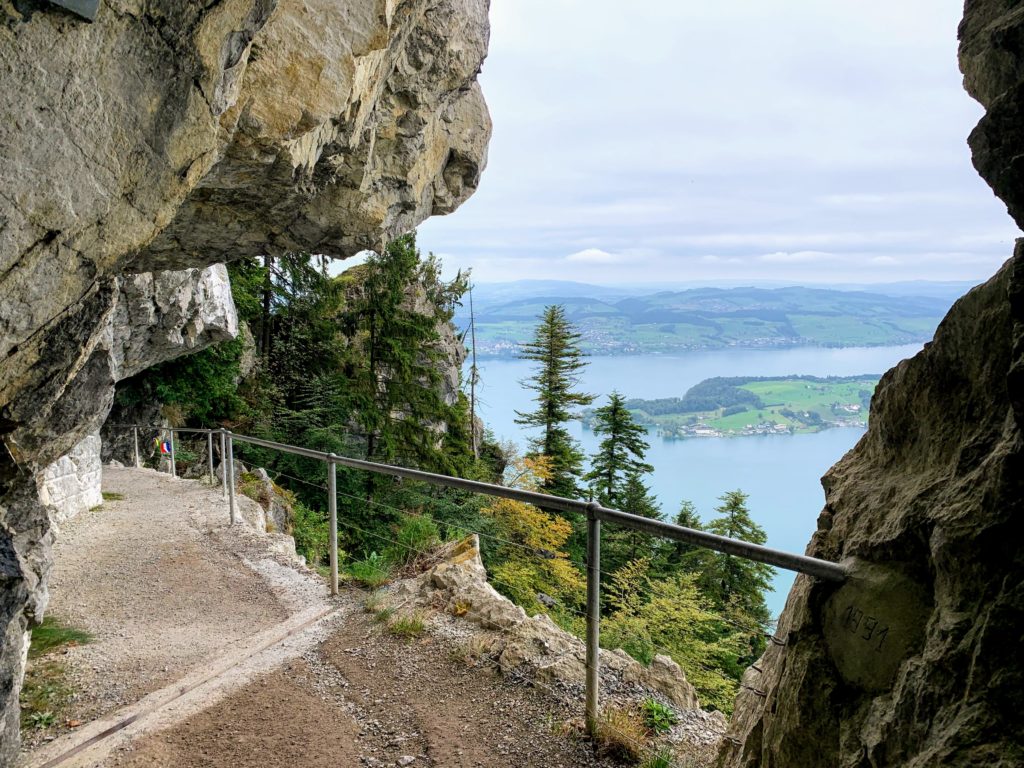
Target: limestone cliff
[
  {"x": 171, "y": 135},
  {"x": 915, "y": 661}
]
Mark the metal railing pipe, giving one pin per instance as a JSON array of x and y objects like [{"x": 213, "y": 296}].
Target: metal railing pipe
[
  {"x": 284, "y": 448},
  {"x": 174, "y": 468},
  {"x": 223, "y": 467},
  {"x": 135, "y": 438},
  {"x": 812, "y": 566},
  {"x": 229, "y": 475},
  {"x": 793, "y": 562},
  {"x": 332, "y": 506},
  {"x": 593, "y": 618},
  {"x": 209, "y": 453}
]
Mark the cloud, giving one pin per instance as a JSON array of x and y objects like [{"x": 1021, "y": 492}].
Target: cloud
[
  {"x": 799, "y": 154},
  {"x": 798, "y": 257},
  {"x": 594, "y": 256}
]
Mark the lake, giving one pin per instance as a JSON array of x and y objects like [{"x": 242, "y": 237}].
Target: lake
[{"x": 781, "y": 473}]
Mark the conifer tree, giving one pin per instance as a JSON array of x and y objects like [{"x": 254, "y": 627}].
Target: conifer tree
[
  {"x": 681, "y": 556},
  {"x": 395, "y": 385},
  {"x": 621, "y": 545},
  {"x": 620, "y": 455},
  {"x": 555, "y": 347},
  {"x": 737, "y": 586}
]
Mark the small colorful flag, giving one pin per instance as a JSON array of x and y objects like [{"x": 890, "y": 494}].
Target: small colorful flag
[{"x": 165, "y": 447}]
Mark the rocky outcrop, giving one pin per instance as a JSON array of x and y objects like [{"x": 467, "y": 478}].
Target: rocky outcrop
[
  {"x": 72, "y": 483},
  {"x": 171, "y": 135},
  {"x": 457, "y": 583},
  {"x": 914, "y": 661}
]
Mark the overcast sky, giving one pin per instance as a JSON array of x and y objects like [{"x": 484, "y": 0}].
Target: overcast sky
[{"x": 678, "y": 140}]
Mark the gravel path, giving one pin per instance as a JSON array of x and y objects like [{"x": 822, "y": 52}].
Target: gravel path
[
  {"x": 163, "y": 584},
  {"x": 366, "y": 699},
  {"x": 181, "y": 602}
]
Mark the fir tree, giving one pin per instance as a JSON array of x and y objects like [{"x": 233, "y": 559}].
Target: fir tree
[
  {"x": 555, "y": 347},
  {"x": 620, "y": 455},
  {"x": 737, "y": 586},
  {"x": 395, "y": 378},
  {"x": 681, "y": 556},
  {"x": 621, "y": 545}
]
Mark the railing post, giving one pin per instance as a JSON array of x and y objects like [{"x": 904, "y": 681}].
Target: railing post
[
  {"x": 135, "y": 438},
  {"x": 229, "y": 476},
  {"x": 209, "y": 453},
  {"x": 223, "y": 467},
  {"x": 174, "y": 469},
  {"x": 593, "y": 616},
  {"x": 332, "y": 505}
]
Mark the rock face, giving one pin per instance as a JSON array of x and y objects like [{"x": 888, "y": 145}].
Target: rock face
[
  {"x": 915, "y": 661},
  {"x": 167, "y": 136},
  {"x": 458, "y": 584},
  {"x": 72, "y": 483}
]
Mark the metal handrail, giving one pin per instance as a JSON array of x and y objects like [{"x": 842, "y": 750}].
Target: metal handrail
[{"x": 594, "y": 512}]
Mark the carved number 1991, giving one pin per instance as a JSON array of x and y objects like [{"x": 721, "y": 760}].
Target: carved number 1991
[{"x": 868, "y": 628}]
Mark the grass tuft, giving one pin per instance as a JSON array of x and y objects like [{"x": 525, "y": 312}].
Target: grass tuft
[
  {"x": 111, "y": 496},
  {"x": 407, "y": 625},
  {"x": 51, "y": 634},
  {"x": 373, "y": 571},
  {"x": 621, "y": 734}
]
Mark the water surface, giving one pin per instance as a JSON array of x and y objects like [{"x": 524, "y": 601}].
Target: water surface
[{"x": 781, "y": 473}]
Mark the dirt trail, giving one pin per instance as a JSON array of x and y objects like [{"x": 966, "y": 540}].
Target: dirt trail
[
  {"x": 247, "y": 662},
  {"x": 364, "y": 698}
]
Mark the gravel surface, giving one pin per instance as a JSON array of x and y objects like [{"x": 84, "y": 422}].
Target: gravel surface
[
  {"x": 171, "y": 591},
  {"x": 163, "y": 585},
  {"x": 366, "y": 699}
]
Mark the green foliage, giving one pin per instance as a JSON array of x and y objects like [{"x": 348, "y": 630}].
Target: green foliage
[
  {"x": 407, "y": 625},
  {"x": 416, "y": 535},
  {"x": 311, "y": 530},
  {"x": 530, "y": 558},
  {"x": 735, "y": 582},
  {"x": 620, "y": 734},
  {"x": 394, "y": 381},
  {"x": 555, "y": 348},
  {"x": 620, "y": 454},
  {"x": 45, "y": 693},
  {"x": 203, "y": 385},
  {"x": 372, "y": 571},
  {"x": 670, "y": 615},
  {"x": 657, "y": 716},
  {"x": 111, "y": 496},
  {"x": 661, "y": 759},
  {"x": 52, "y": 634}
]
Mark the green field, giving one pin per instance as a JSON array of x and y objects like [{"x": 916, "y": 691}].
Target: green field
[
  {"x": 711, "y": 318},
  {"x": 752, "y": 406}
]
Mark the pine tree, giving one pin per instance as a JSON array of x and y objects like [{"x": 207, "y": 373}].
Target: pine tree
[
  {"x": 737, "y": 586},
  {"x": 396, "y": 383},
  {"x": 681, "y": 556},
  {"x": 555, "y": 347},
  {"x": 621, "y": 453},
  {"x": 620, "y": 545}
]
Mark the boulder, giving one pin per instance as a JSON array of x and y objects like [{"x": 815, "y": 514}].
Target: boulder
[{"x": 457, "y": 582}]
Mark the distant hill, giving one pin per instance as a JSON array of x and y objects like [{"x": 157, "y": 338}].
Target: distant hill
[
  {"x": 629, "y": 321},
  {"x": 758, "y": 405}
]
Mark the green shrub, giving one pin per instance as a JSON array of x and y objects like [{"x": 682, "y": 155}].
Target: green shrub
[
  {"x": 408, "y": 625},
  {"x": 658, "y": 717},
  {"x": 372, "y": 571},
  {"x": 311, "y": 530},
  {"x": 416, "y": 534}
]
